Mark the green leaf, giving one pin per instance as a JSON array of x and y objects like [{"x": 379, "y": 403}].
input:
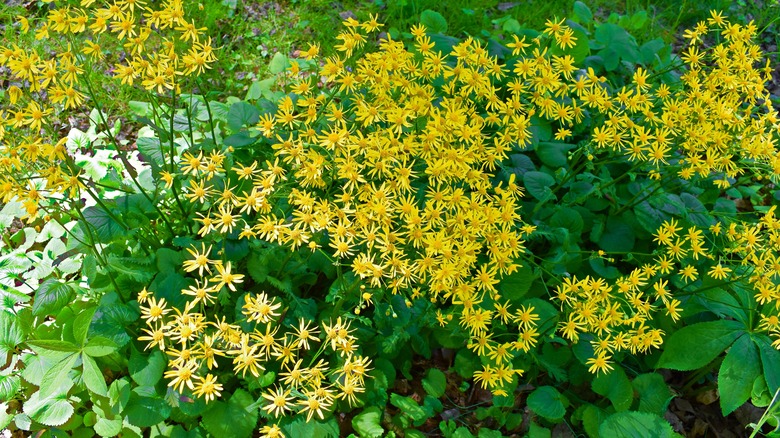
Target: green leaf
[
  {"x": 617, "y": 236},
  {"x": 119, "y": 394},
  {"x": 536, "y": 431},
  {"x": 240, "y": 139},
  {"x": 649, "y": 217},
  {"x": 278, "y": 64},
  {"x": 260, "y": 89},
  {"x": 616, "y": 387},
  {"x": 112, "y": 319},
  {"x": 654, "y": 394},
  {"x": 568, "y": 218},
  {"x": 48, "y": 411},
  {"x": 770, "y": 362},
  {"x": 108, "y": 428},
  {"x": 11, "y": 334},
  {"x": 696, "y": 212},
  {"x": 151, "y": 149},
  {"x": 146, "y": 411},
  {"x": 57, "y": 379},
  {"x": 636, "y": 425},
  {"x": 242, "y": 114},
  {"x": 547, "y": 402},
  {"x": 169, "y": 286},
  {"x": 434, "y": 21},
  {"x": 514, "y": 286},
  {"x": 553, "y": 154},
  {"x": 232, "y": 418},
  {"x": 707, "y": 339},
  {"x": 146, "y": 370},
  {"x": 598, "y": 266},
  {"x": 299, "y": 427},
  {"x": 106, "y": 228},
  {"x": 81, "y": 324},
  {"x": 92, "y": 376},
  {"x": 99, "y": 346},
  {"x": 435, "y": 382},
  {"x": 51, "y": 296},
  {"x": 538, "y": 185},
  {"x": 582, "y": 12},
  {"x": 368, "y": 423},
  {"x": 54, "y": 345},
  {"x": 140, "y": 109},
  {"x": 617, "y": 45},
  {"x": 9, "y": 386},
  {"x": 737, "y": 374},
  {"x": 408, "y": 407},
  {"x": 592, "y": 417}
]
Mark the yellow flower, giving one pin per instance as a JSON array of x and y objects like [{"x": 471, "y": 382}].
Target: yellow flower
[
  {"x": 279, "y": 402},
  {"x": 719, "y": 272},
  {"x": 182, "y": 375},
  {"x": 208, "y": 388},
  {"x": 155, "y": 310},
  {"x": 599, "y": 364},
  {"x": 260, "y": 308},
  {"x": 226, "y": 278},
  {"x": 199, "y": 261}
]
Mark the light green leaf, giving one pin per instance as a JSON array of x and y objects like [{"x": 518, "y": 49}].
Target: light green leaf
[
  {"x": 11, "y": 334},
  {"x": 299, "y": 427},
  {"x": 108, "y": 428},
  {"x": 81, "y": 324},
  {"x": 92, "y": 376},
  {"x": 53, "y": 345},
  {"x": 368, "y": 423},
  {"x": 119, "y": 394},
  {"x": 278, "y": 64},
  {"x": 636, "y": 425},
  {"x": 49, "y": 411},
  {"x": 737, "y": 373},
  {"x": 434, "y": 21},
  {"x": 708, "y": 339},
  {"x": 9, "y": 386},
  {"x": 408, "y": 406},
  {"x": 435, "y": 382},
  {"x": 99, "y": 346},
  {"x": 57, "y": 379},
  {"x": 51, "y": 296}
]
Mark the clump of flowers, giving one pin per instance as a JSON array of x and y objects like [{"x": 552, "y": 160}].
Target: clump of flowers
[
  {"x": 163, "y": 48},
  {"x": 389, "y": 168}
]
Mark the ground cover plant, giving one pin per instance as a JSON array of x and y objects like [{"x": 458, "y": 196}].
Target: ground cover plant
[{"x": 402, "y": 231}]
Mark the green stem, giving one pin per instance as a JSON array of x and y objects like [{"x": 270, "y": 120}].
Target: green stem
[{"x": 123, "y": 157}]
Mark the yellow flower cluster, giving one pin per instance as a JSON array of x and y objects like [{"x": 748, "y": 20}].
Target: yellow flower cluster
[
  {"x": 196, "y": 341},
  {"x": 620, "y": 316},
  {"x": 389, "y": 167},
  {"x": 161, "y": 45},
  {"x": 755, "y": 249},
  {"x": 392, "y": 164},
  {"x": 719, "y": 118}
]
